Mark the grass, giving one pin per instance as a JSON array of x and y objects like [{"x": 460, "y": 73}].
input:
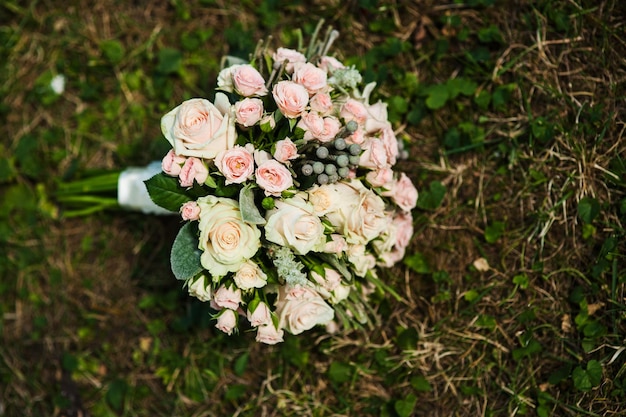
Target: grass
[{"x": 513, "y": 290}]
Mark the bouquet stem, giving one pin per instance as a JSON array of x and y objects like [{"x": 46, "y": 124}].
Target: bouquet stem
[{"x": 117, "y": 190}]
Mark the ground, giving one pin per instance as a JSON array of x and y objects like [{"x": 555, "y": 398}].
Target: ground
[{"x": 512, "y": 291}]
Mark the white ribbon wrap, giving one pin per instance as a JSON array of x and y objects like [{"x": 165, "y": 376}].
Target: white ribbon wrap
[{"x": 132, "y": 193}]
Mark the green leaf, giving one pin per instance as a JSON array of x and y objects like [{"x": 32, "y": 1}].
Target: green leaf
[
  {"x": 185, "y": 255},
  {"x": 165, "y": 192},
  {"x": 235, "y": 392},
  {"x": 588, "y": 209},
  {"x": 116, "y": 393},
  {"x": 407, "y": 339},
  {"x": 521, "y": 280},
  {"x": 339, "y": 372},
  {"x": 113, "y": 50},
  {"x": 560, "y": 374},
  {"x": 437, "y": 96},
  {"x": 494, "y": 231},
  {"x": 249, "y": 211},
  {"x": 431, "y": 199},
  {"x": 418, "y": 263},
  {"x": 241, "y": 363},
  {"x": 405, "y": 407},
  {"x": 170, "y": 61},
  {"x": 421, "y": 384}
]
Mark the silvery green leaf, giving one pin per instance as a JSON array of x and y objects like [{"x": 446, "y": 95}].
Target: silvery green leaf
[
  {"x": 185, "y": 255},
  {"x": 249, "y": 211}
]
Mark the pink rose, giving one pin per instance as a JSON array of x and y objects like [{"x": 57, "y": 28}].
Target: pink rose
[
  {"x": 357, "y": 137},
  {"x": 312, "y": 124},
  {"x": 273, "y": 177},
  {"x": 331, "y": 280},
  {"x": 285, "y": 150},
  {"x": 236, "y": 164},
  {"x": 248, "y": 111},
  {"x": 171, "y": 163},
  {"x": 353, "y": 110},
  {"x": 379, "y": 177},
  {"x": 331, "y": 128},
  {"x": 321, "y": 103},
  {"x": 248, "y": 81},
  {"x": 199, "y": 128},
  {"x": 291, "y": 98},
  {"x": 330, "y": 64},
  {"x": 310, "y": 77},
  {"x": 404, "y": 193},
  {"x": 227, "y": 321},
  {"x": 390, "y": 142},
  {"x": 290, "y": 55},
  {"x": 227, "y": 297},
  {"x": 374, "y": 154},
  {"x": 269, "y": 335},
  {"x": 404, "y": 229},
  {"x": 298, "y": 314},
  {"x": 337, "y": 244},
  {"x": 260, "y": 316},
  {"x": 193, "y": 169},
  {"x": 190, "y": 211}
]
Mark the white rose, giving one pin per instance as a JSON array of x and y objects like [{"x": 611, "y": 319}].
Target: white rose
[
  {"x": 250, "y": 276},
  {"x": 293, "y": 224},
  {"x": 200, "y": 288},
  {"x": 225, "y": 239},
  {"x": 297, "y": 314},
  {"x": 199, "y": 128},
  {"x": 361, "y": 261},
  {"x": 362, "y": 217}
]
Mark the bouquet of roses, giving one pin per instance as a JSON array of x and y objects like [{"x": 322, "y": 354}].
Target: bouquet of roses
[{"x": 286, "y": 186}]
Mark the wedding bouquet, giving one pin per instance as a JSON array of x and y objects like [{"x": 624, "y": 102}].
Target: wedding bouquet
[{"x": 286, "y": 187}]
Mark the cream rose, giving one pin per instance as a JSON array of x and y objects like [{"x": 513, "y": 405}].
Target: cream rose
[
  {"x": 361, "y": 261},
  {"x": 325, "y": 198},
  {"x": 226, "y": 240},
  {"x": 291, "y": 98},
  {"x": 200, "y": 288},
  {"x": 248, "y": 111},
  {"x": 330, "y": 64},
  {"x": 250, "y": 276},
  {"x": 310, "y": 77},
  {"x": 273, "y": 177},
  {"x": 199, "y": 128},
  {"x": 326, "y": 283},
  {"x": 236, "y": 164},
  {"x": 297, "y": 314},
  {"x": 292, "y": 223},
  {"x": 248, "y": 82}
]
